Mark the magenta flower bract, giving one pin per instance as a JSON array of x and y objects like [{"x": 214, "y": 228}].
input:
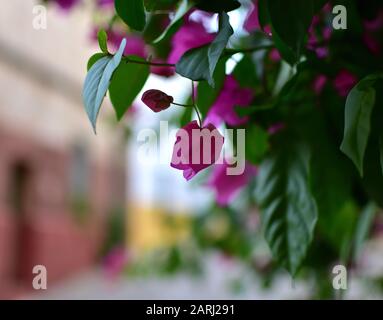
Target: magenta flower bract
[
  {"x": 372, "y": 44},
  {"x": 344, "y": 82},
  {"x": 319, "y": 83},
  {"x": 374, "y": 24},
  {"x": 196, "y": 148},
  {"x": 157, "y": 100},
  {"x": 226, "y": 186},
  {"x": 67, "y": 4},
  {"x": 191, "y": 35},
  {"x": 232, "y": 95},
  {"x": 252, "y": 22},
  {"x": 115, "y": 262},
  {"x": 105, "y": 3},
  {"x": 135, "y": 45}
]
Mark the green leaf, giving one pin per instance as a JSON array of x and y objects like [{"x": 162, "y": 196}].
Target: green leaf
[
  {"x": 207, "y": 95},
  {"x": 200, "y": 63},
  {"x": 218, "y": 5},
  {"x": 127, "y": 82},
  {"x": 359, "y": 106},
  {"x": 97, "y": 82},
  {"x": 183, "y": 8},
  {"x": 257, "y": 144},
  {"x": 288, "y": 209},
  {"x": 381, "y": 152},
  {"x": 263, "y": 14},
  {"x": 290, "y": 20},
  {"x": 363, "y": 228},
  {"x": 245, "y": 72},
  {"x": 94, "y": 58},
  {"x": 132, "y": 12},
  {"x": 249, "y": 110},
  {"x": 337, "y": 213},
  {"x": 153, "y": 5},
  {"x": 103, "y": 41}
]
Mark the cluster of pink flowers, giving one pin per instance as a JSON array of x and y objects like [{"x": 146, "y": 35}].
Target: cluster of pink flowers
[{"x": 197, "y": 146}]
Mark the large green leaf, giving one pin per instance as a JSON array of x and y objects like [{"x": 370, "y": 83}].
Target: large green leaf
[
  {"x": 97, "y": 83},
  {"x": 359, "y": 106},
  {"x": 153, "y": 5},
  {"x": 363, "y": 228},
  {"x": 290, "y": 20},
  {"x": 183, "y": 8},
  {"x": 217, "y": 5},
  {"x": 94, "y": 58},
  {"x": 132, "y": 12},
  {"x": 127, "y": 82},
  {"x": 206, "y": 95},
  {"x": 200, "y": 63},
  {"x": 288, "y": 209},
  {"x": 256, "y": 143}
]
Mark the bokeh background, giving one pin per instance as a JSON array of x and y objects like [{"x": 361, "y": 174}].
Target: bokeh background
[{"x": 106, "y": 223}]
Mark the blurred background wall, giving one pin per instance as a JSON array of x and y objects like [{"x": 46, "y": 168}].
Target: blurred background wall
[{"x": 58, "y": 183}]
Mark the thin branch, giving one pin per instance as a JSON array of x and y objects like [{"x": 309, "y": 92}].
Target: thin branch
[
  {"x": 195, "y": 105},
  {"x": 247, "y": 50},
  {"x": 183, "y": 105},
  {"x": 155, "y": 64}
]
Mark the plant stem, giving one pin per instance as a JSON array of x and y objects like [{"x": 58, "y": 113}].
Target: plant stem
[
  {"x": 195, "y": 105},
  {"x": 155, "y": 64},
  {"x": 247, "y": 50},
  {"x": 183, "y": 105},
  {"x": 227, "y": 52}
]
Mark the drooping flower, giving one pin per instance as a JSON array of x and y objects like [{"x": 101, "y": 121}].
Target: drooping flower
[
  {"x": 344, "y": 81},
  {"x": 191, "y": 35},
  {"x": 196, "y": 148},
  {"x": 232, "y": 95},
  {"x": 227, "y": 186},
  {"x": 157, "y": 100}
]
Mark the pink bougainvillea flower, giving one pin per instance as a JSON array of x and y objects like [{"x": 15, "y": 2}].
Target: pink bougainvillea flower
[
  {"x": 319, "y": 83},
  {"x": 67, "y": 4},
  {"x": 105, "y": 3},
  {"x": 274, "y": 55},
  {"x": 252, "y": 23},
  {"x": 134, "y": 45},
  {"x": 196, "y": 148},
  {"x": 344, "y": 82},
  {"x": 115, "y": 261},
  {"x": 232, "y": 95},
  {"x": 227, "y": 186},
  {"x": 157, "y": 100},
  {"x": 276, "y": 127},
  {"x": 372, "y": 44},
  {"x": 191, "y": 35},
  {"x": 374, "y": 24}
]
